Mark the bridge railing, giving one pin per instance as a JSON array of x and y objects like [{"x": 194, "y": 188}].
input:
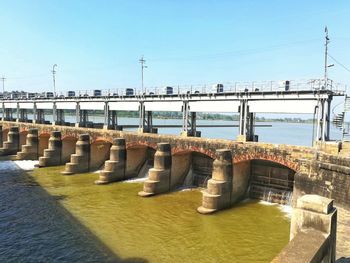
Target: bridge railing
[{"x": 226, "y": 87}]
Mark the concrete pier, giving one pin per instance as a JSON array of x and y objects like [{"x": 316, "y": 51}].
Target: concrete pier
[
  {"x": 1, "y": 136},
  {"x": 30, "y": 151},
  {"x": 80, "y": 160},
  {"x": 160, "y": 175},
  {"x": 312, "y": 233},
  {"x": 115, "y": 167},
  {"x": 52, "y": 155},
  {"x": 218, "y": 194},
  {"x": 11, "y": 146}
]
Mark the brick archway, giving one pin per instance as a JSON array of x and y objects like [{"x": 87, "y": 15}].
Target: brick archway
[
  {"x": 137, "y": 144},
  {"x": 179, "y": 150},
  {"x": 291, "y": 164}
]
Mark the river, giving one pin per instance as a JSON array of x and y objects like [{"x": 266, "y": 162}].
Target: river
[{"x": 48, "y": 217}]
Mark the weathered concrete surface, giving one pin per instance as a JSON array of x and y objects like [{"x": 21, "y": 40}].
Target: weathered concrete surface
[
  {"x": 218, "y": 194},
  {"x": 52, "y": 155},
  {"x": 180, "y": 167},
  {"x": 80, "y": 160},
  {"x": 137, "y": 156},
  {"x": 313, "y": 231},
  {"x": 241, "y": 178},
  {"x": 11, "y": 146},
  {"x": 160, "y": 175},
  {"x": 115, "y": 168},
  {"x": 343, "y": 233},
  {"x": 99, "y": 154},
  {"x": 30, "y": 151},
  {"x": 327, "y": 175}
]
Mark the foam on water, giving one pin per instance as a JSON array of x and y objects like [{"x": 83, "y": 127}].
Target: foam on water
[
  {"x": 136, "y": 180},
  {"x": 286, "y": 209},
  {"x": 26, "y": 165}
]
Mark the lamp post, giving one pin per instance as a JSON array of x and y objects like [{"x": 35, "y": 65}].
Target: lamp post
[{"x": 54, "y": 79}]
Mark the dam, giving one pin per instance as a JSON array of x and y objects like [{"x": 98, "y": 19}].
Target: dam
[{"x": 228, "y": 171}]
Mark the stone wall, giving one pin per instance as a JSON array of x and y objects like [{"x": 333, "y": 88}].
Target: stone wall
[{"x": 328, "y": 176}]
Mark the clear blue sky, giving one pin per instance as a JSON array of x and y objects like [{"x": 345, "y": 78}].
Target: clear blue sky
[{"x": 97, "y": 44}]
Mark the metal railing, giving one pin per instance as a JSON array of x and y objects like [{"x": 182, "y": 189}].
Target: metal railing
[{"x": 226, "y": 87}]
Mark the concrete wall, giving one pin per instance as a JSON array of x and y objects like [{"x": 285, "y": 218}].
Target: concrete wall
[
  {"x": 43, "y": 143},
  {"x": 68, "y": 148},
  {"x": 22, "y": 138},
  {"x": 135, "y": 158},
  {"x": 99, "y": 154},
  {"x": 181, "y": 164},
  {"x": 241, "y": 176}
]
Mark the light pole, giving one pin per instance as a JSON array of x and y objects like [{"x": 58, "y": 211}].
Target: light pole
[
  {"x": 143, "y": 66},
  {"x": 326, "y": 66},
  {"x": 3, "y": 85},
  {"x": 53, "y": 78}
]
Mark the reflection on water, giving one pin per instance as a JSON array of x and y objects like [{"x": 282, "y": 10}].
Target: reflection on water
[{"x": 167, "y": 228}]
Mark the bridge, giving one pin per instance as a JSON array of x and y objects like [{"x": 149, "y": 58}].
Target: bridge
[{"x": 306, "y": 97}]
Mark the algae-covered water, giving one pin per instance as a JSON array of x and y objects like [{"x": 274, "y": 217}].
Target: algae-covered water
[{"x": 167, "y": 228}]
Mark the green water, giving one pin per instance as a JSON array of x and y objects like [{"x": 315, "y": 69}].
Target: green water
[{"x": 167, "y": 228}]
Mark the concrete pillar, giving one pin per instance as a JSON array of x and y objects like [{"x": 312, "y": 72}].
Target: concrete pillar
[
  {"x": 115, "y": 167},
  {"x": 80, "y": 160},
  {"x": 218, "y": 194},
  {"x": 11, "y": 146},
  {"x": 52, "y": 155},
  {"x": 30, "y": 151},
  {"x": 312, "y": 233},
  {"x": 160, "y": 175},
  {"x": 1, "y": 136},
  {"x": 316, "y": 212}
]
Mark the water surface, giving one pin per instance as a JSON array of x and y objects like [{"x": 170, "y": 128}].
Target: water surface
[{"x": 167, "y": 228}]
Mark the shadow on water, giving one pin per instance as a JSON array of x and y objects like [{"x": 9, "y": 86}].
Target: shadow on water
[{"x": 35, "y": 227}]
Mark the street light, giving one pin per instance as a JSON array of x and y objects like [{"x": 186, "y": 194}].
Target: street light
[
  {"x": 143, "y": 66},
  {"x": 54, "y": 80}
]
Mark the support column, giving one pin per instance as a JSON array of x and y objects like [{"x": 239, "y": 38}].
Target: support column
[
  {"x": 77, "y": 114},
  {"x": 3, "y": 111},
  {"x": 115, "y": 168},
  {"x": 159, "y": 177},
  {"x": 8, "y": 114},
  {"x": 34, "y": 113},
  {"x": 40, "y": 116},
  {"x": 23, "y": 115},
  {"x": 84, "y": 118},
  {"x": 1, "y": 137},
  {"x": 218, "y": 194},
  {"x": 18, "y": 117},
  {"x": 189, "y": 122},
  {"x": 106, "y": 123},
  {"x": 11, "y": 146},
  {"x": 80, "y": 160},
  {"x": 30, "y": 151},
  {"x": 246, "y": 123},
  {"x": 60, "y": 117},
  {"x": 52, "y": 155}
]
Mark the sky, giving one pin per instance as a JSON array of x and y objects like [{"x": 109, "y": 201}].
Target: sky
[{"x": 98, "y": 44}]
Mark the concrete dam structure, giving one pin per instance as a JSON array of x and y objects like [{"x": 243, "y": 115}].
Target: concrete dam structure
[{"x": 229, "y": 171}]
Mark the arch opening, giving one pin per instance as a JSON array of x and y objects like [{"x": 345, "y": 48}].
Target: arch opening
[
  {"x": 271, "y": 182},
  {"x": 191, "y": 169},
  {"x": 139, "y": 160}
]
